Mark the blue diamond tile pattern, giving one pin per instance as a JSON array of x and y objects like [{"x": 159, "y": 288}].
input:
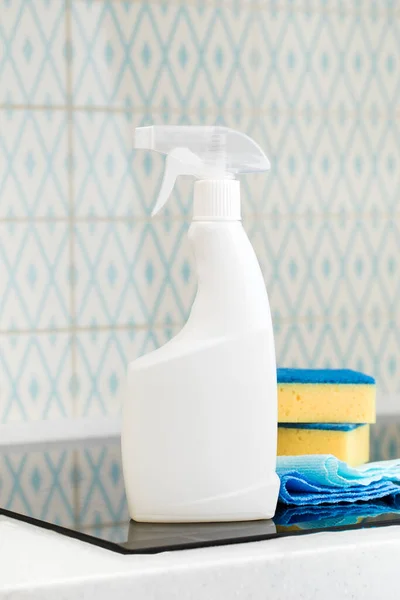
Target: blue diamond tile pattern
[
  {"x": 33, "y": 68},
  {"x": 90, "y": 281},
  {"x": 34, "y": 272},
  {"x": 33, "y": 164},
  {"x": 133, "y": 274},
  {"x": 39, "y": 484},
  {"x": 151, "y": 54},
  {"x": 101, "y": 493},
  {"x": 35, "y": 376}
]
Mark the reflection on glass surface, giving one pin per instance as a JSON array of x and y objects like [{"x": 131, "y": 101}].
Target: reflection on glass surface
[
  {"x": 328, "y": 516},
  {"x": 148, "y": 534},
  {"x": 80, "y": 487}
]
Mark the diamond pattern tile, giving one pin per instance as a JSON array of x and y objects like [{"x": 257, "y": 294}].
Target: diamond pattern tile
[
  {"x": 35, "y": 275},
  {"x": 33, "y": 164},
  {"x": 133, "y": 274},
  {"x": 39, "y": 484},
  {"x": 101, "y": 493},
  {"x": 126, "y": 53},
  {"x": 303, "y": 262},
  {"x": 33, "y": 67},
  {"x": 106, "y": 140},
  {"x": 35, "y": 376},
  {"x": 105, "y": 287}
]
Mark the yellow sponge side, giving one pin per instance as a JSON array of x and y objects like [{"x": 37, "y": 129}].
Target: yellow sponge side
[
  {"x": 326, "y": 403},
  {"x": 350, "y": 446}
]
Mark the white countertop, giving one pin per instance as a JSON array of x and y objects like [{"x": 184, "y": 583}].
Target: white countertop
[{"x": 40, "y": 564}]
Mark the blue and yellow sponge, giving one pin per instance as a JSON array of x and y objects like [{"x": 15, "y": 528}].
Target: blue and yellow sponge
[
  {"x": 325, "y": 411},
  {"x": 325, "y": 396},
  {"x": 348, "y": 442}
]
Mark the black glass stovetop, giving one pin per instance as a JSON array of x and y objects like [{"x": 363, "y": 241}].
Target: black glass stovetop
[{"x": 78, "y": 490}]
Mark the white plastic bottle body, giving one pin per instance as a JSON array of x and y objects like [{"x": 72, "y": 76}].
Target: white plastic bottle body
[{"x": 200, "y": 415}]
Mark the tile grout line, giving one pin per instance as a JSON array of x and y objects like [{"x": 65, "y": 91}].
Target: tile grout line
[
  {"x": 71, "y": 216},
  {"x": 70, "y": 148},
  {"x": 297, "y": 320},
  {"x": 260, "y": 6},
  {"x": 182, "y": 218},
  {"x": 142, "y": 110},
  {"x": 88, "y": 329}
]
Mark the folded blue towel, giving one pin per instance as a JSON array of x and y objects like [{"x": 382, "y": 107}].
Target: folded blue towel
[{"x": 320, "y": 478}]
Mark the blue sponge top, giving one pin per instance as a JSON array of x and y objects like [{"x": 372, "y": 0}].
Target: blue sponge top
[
  {"x": 325, "y": 426},
  {"x": 341, "y": 376}
]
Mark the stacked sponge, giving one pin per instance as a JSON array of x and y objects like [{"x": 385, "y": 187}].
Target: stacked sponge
[{"x": 325, "y": 411}]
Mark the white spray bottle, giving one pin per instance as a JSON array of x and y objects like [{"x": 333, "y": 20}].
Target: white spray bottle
[{"x": 200, "y": 415}]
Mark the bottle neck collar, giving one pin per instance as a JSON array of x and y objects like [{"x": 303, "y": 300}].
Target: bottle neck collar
[{"x": 217, "y": 200}]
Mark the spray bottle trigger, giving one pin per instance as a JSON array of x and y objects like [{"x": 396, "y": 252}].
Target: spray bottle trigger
[{"x": 180, "y": 161}]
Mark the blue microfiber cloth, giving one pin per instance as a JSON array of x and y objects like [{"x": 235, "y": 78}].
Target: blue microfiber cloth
[{"x": 323, "y": 479}]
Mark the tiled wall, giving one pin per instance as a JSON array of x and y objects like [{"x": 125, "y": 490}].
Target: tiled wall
[{"x": 89, "y": 282}]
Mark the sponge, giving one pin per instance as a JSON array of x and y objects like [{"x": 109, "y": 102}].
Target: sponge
[
  {"x": 347, "y": 442},
  {"x": 325, "y": 396}
]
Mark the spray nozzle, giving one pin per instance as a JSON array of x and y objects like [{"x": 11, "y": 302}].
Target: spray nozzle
[{"x": 207, "y": 153}]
